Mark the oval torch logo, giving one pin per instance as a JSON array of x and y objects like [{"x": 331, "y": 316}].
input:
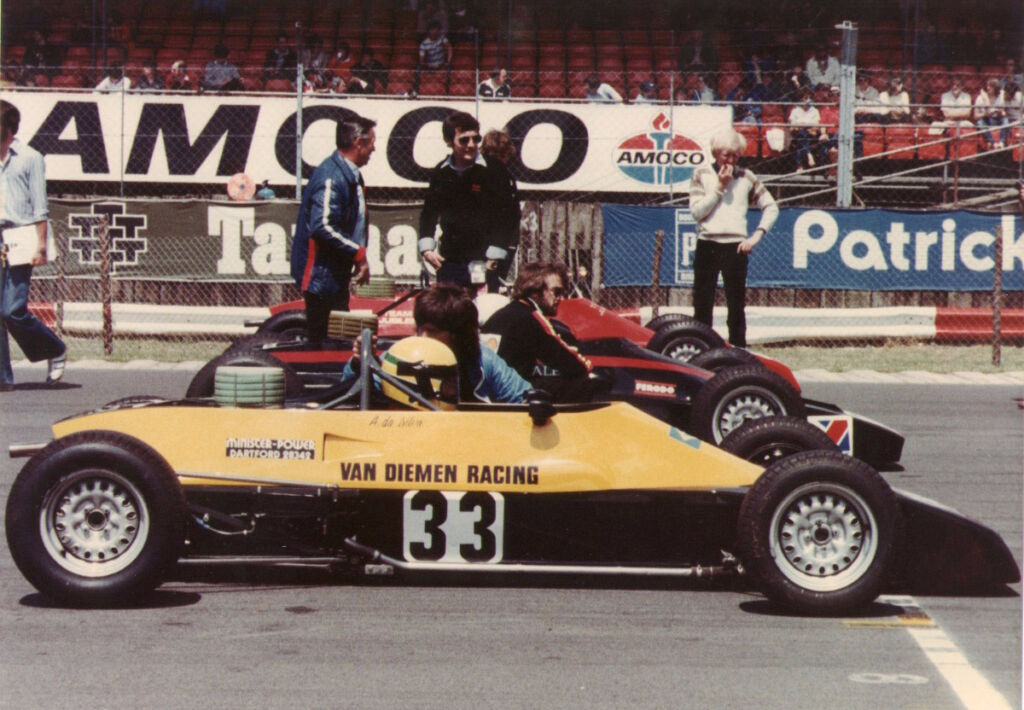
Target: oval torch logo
[{"x": 658, "y": 157}]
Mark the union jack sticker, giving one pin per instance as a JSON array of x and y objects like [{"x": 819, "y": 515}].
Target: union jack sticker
[{"x": 839, "y": 428}]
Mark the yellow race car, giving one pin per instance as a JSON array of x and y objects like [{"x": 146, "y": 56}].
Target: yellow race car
[{"x": 393, "y": 475}]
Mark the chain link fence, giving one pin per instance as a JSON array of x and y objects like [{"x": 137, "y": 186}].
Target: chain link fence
[{"x": 931, "y": 203}]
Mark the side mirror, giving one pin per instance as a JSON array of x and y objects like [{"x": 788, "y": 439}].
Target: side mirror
[{"x": 541, "y": 406}]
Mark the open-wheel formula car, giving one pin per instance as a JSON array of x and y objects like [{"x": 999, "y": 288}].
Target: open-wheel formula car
[
  {"x": 709, "y": 397},
  {"x": 99, "y": 515}
]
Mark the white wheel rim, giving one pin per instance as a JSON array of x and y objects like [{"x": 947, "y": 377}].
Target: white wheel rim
[
  {"x": 823, "y": 537},
  {"x": 742, "y": 406},
  {"x": 684, "y": 350},
  {"x": 94, "y": 523}
]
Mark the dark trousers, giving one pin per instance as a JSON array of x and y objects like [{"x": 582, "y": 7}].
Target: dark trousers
[
  {"x": 712, "y": 258},
  {"x": 453, "y": 273},
  {"x": 36, "y": 341},
  {"x": 318, "y": 313},
  {"x": 494, "y": 278}
]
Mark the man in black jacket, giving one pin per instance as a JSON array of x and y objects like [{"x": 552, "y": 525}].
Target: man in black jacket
[
  {"x": 528, "y": 341},
  {"x": 462, "y": 195}
]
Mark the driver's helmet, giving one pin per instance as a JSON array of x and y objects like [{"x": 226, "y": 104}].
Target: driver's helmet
[{"x": 428, "y": 366}]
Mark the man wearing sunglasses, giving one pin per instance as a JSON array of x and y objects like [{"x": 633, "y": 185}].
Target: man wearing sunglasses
[
  {"x": 528, "y": 341},
  {"x": 462, "y": 196}
]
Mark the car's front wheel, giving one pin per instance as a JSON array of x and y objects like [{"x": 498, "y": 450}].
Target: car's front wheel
[
  {"x": 95, "y": 519},
  {"x": 818, "y": 531},
  {"x": 736, "y": 395},
  {"x": 765, "y": 441}
]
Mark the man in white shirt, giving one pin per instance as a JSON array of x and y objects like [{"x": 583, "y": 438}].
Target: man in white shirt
[
  {"x": 495, "y": 86},
  {"x": 115, "y": 80},
  {"x": 24, "y": 205},
  {"x": 956, "y": 105},
  {"x": 600, "y": 92},
  {"x": 823, "y": 70}
]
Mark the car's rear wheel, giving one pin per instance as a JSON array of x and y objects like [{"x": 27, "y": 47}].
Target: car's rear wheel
[
  {"x": 765, "y": 441},
  {"x": 818, "y": 531},
  {"x": 285, "y": 320},
  {"x": 203, "y": 383},
  {"x": 257, "y": 340},
  {"x": 684, "y": 337},
  {"x": 96, "y": 518},
  {"x": 717, "y": 359},
  {"x": 736, "y": 395},
  {"x": 659, "y": 322}
]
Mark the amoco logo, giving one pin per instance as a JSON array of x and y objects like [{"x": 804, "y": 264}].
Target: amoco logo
[{"x": 658, "y": 157}]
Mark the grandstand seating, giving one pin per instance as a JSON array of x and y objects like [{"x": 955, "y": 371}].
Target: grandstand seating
[{"x": 546, "y": 56}]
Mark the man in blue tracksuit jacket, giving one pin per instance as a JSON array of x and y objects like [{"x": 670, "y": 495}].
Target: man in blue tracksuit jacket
[{"x": 331, "y": 227}]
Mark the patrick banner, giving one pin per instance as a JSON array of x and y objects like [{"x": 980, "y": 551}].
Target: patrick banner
[{"x": 869, "y": 250}]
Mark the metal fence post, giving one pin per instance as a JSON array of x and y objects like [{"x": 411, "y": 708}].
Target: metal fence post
[
  {"x": 847, "y": 92},
  {"x": 107, "y": 326},
  {"x": 997, "y": 300},
  {"x": 299, "y": 77}
]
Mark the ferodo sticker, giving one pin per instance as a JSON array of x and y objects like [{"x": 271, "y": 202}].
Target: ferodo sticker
[
  {"x": 839, "y": 429},
  {"x": 261, "y": 448},
  {"x": 453, "y": 526},
  {"x": 655, "y": 389}
]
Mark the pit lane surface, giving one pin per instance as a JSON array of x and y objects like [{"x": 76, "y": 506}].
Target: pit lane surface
[{"x": 232, "y": 638}]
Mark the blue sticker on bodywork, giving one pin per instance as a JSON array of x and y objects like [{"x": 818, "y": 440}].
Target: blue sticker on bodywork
[{"x": 684, "y": 437}]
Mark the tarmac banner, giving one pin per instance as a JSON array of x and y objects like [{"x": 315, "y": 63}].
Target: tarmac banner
[
  {"x": 210, "y": 240},
  {"x": 869, "y": 250}
]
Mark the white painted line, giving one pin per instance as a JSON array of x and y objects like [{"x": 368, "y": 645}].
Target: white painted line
[{"x": 973, "y": 689}]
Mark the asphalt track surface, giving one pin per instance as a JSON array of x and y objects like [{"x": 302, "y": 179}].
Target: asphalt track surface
[{"x": 233, "y": 638}]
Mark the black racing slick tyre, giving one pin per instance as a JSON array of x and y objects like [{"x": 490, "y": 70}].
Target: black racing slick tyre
[
  {"x": 717, "y": 359},
  {"x": 257, "y": 340},
  {"x": 202, "y": 384},
  {"x": 765, "y": 441},
  {"x": 96, "y": 519},
  {"x": 818, "y": 532},
  {"x": 285, "y": 320},
  {"x": 659, "y": 322},
  {"x": 682, "y": 338},
  {"x": 737, "y": 394}
]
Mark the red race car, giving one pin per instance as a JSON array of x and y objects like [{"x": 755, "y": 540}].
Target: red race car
[{"x": 710, "y": 395}]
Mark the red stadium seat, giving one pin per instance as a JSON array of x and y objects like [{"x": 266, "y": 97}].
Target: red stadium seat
[
  {"x": 523, "y": 83},
  {"x": 524, "y": 60},
  {"x": 873, "y": 141},
  {"x": 773, "y": 113},
  {"x": 609, "y": 64},
  {"x": 967, "y": 140},
  {"x": 461, "y": 87},
  {"x": 432, "y": 84},
  {"x": 901, "y": 138},
  {"x": 280, "y": 85},
  {"x": 1017, "y": 141},
  {"x": 551, "y": 87},
  {"x": 752, "y": 132},
  {"x": 931, "y": 146}
]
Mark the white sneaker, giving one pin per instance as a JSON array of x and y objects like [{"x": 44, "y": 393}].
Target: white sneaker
[{"x": 57, "y": 367}]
